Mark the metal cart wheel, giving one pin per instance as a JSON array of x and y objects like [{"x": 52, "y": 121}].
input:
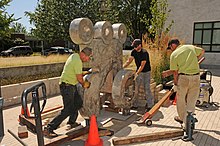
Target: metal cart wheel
[{"x": 148, "y": 122}]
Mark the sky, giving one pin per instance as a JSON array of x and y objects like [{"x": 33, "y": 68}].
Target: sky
[{"x": 18, "y": 7}]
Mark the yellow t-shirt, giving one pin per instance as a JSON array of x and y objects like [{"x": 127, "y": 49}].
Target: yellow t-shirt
[
  {"x": 72, "y": 67},
  {"x": 184, "y": 59}
]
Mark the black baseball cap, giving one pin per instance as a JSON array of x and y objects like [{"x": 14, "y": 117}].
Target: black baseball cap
[
  {"x": 136, "y": 43},
  {"x": 173, "y": 41}
]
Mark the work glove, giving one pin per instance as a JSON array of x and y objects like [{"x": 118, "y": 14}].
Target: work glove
[
  {"x": 86, "y": 84},
  {"x": 135, "y": 76}
]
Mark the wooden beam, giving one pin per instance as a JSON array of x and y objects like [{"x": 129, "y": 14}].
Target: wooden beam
[
  {"x": 77, "y": 134},
  {"x": 146, "y": 137},
  {"x": 65, "y": 138},
  {"x": 102, "y": 132}
]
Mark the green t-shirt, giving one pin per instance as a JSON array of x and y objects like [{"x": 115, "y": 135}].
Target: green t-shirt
[
  {"x": 72, "y": 67},
  {"x": 184, "y": 59}
]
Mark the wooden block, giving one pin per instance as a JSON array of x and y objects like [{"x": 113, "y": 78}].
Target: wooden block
[
  {"x": 146, "y": 137},
  {"x": 22, "y": 132}
]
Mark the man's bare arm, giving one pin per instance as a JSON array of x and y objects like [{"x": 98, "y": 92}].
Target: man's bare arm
[
  {"x": 128, "y": 62},
  {"x": 141, "y": 67},
  {"x": 167, "y": 73}
]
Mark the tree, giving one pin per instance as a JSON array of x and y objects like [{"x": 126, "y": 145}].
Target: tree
[
  {"x": 52, "y": 17},
  {"x": 5, "y": 20},
  {"x": 159, "y": 13},
  {"x": 130, "y": 12},
  {"x": 18, "y": 28}
]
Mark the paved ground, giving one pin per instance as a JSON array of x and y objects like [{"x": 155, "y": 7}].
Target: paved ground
[{"x": 207, "y": 128}]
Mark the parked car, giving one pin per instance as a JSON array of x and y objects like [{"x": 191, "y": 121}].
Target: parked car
[
  {"x": 56, "y": 50},
  {"x": 18, "y": 51}
]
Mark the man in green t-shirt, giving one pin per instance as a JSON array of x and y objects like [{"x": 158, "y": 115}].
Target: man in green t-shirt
[
  {"x": 185, "y": 67},
  {"x": 71, "y": 75}
]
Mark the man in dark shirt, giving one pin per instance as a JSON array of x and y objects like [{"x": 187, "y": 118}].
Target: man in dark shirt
[{"x": 142, "y": 74}]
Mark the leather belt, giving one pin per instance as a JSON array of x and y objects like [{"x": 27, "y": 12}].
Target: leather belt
[
  {"x": 189, "y": 74},
  {"x": 66, "y": 84}
]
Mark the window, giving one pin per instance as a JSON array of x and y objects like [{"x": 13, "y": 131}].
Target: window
[{"x": 207, "y": 35}]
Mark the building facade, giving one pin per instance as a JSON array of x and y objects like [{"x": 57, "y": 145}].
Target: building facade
[{"x": 198, "y": 22}]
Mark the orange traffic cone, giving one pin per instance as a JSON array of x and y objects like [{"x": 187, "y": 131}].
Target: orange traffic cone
[
  {"x": 22, "y": 111},
  {"x": 93, "y": 137},
  {"x": 174, "y": 101}
]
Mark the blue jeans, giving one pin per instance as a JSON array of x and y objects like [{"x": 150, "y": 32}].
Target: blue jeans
[
  {"x": 144, "y": 79},
  {"x": 72, "y": 102}
]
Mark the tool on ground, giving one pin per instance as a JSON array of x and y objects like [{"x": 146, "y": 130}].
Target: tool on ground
[
  {"x": 146, "y": 118},
  {"x": 190, "y": 126},
  {"x": 36, "y": 105},
  {"x": 15, "y": 136},
  {"x": 93, "y": 137}
]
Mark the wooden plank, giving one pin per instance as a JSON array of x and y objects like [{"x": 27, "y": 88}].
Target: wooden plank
[
  {"x": 77, "y": 134},
  {"x": 64, "y": 138},
  {"x": 146, "y": 137}
]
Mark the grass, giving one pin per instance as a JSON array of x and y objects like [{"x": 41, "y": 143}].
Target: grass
[{"x": 31, "y": 60}]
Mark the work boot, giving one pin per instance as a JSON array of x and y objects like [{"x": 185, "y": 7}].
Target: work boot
[
  {"x": 49, "y": 133},
  {"x": 176, "y": 118},
  {"x": 72, "y": 125}
]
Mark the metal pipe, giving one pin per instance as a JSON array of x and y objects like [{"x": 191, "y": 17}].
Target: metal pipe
[
  {"x": 38, "y": 121},
  {"x": 1, "y": 115},
  {"x": 16, "y": 137}
]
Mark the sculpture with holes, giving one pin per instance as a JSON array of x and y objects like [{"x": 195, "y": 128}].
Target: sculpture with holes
[{"x": 108, "y": 79}]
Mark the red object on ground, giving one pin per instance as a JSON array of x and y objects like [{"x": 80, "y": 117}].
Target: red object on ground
[
  {"x": 174, "y": 101},
  {"x": 22, "y": 111},
  {"x": 93, "y": 137}
]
